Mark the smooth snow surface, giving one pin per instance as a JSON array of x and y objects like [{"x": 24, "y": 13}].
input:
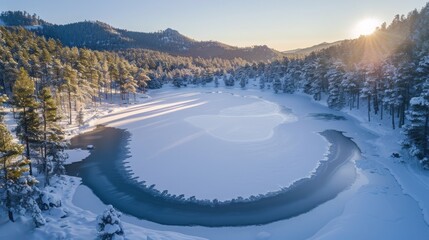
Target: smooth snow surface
[
  {"x": 218, "y": 145},
  {"x": 246, "y": 123}
]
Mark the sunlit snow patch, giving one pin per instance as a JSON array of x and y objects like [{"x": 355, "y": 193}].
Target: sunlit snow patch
[{"x": 246, "y": 123}]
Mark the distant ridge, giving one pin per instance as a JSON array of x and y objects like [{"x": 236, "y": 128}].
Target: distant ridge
[
  {"x": 302, "y": 52},
  {"x": 97, "y": 35}
]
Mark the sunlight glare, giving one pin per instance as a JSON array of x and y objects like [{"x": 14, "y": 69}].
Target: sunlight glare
[{"x": 366, "y": 27}]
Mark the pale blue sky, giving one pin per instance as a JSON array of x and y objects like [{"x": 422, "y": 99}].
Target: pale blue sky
[{"x": 280, "y": 24}]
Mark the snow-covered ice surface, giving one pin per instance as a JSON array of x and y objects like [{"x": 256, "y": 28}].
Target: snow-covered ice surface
[
  {"x": 218, "y": 145},
  {"x": 246, "y": 123},
  {"x": 386, "y": 201},
  {"x": 76, "y": 155}
]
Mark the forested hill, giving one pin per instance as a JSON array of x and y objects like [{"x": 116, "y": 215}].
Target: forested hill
[{"x": 101, "y": 36}]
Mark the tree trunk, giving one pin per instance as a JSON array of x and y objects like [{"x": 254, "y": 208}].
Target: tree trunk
[
  {"x": 426, "y": 133},
  {"x": 369, "y": 108},
  {"x": 27, "y": 142},
  {"x": 357, "y": 103},
  {"x": 402, "y": 118},
  {"x": 70, "y": 107},
  {"x": 45, "y": 159},
  {"x": 3, "y": 84},
  {"x": 393, "y": 115},
  {"x": 8, "y": 200}
]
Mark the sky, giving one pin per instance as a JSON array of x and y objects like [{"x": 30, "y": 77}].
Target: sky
[{"x": 279, "y": 24}]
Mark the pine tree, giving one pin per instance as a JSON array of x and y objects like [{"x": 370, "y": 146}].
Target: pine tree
[
  {"x": 20, "y": 191},
  {"x": 417, "y": 129},
  {"x": 70, "y": 78},
  {"x": 80, "y": 117},
  {"x": 142, "y": 80},
  {"x": 277, "y": 85},
  {"x": 114, "y": 77},
  {"x": 126, "y": 81},
  {"x": 130, "y": 87},
  {"x": 242, "y": 82},
  {"x": 52, "y": 133},
  {"x": 335, "y": 76},
  {"x": 262, "y": 82},
  {"x": 109, "y": 225},
  {"x": 24, "y": 193},
  {"x": 216, "y": 82},
  {"x": 229, "y": 81},
  {"x": 292, "y": 77},
  {"x": 12, "y": 166},
  {"x": 366, "y": 93},
  {"x": 28, "y": 122}
]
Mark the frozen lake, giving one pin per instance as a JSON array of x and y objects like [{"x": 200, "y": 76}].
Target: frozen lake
[
  {"x": 215, "y": 159},
  {"x": 218, "y": 145}
]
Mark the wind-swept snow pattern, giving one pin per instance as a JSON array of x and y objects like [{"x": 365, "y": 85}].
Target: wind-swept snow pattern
[{"x": 246, "y": 123}]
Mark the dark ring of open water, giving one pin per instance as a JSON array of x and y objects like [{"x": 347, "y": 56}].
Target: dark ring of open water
[{"x": 104, "y": 172}]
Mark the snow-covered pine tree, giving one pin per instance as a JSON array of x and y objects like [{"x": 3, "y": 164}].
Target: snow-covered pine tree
[
  {"x": 178, "y": 80},
  {"x": 292, "y": 77},
  {"x": 80, "y": 117},
  {"x": 335, "y": 76},
  {"x": 242, "y": 81},
  {"x": 404, "y": 76},
  {"x": 109, "y": 225},
  {"x": 262, "y": 81},
  {"x": 348, "y": 85},
  {"x": 229, "y": 81},
  {"x": 365, "y": 92},
  {"x": 417, "y": 130},
  {"x": 216, "y": 82},
  {"x": 12, "y": 166},
  {"x": 277, "y": 85},
  {"x": 390, "y": 95},
  {"x": 23, "y": 193}
]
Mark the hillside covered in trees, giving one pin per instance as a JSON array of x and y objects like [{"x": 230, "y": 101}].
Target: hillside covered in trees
[{"x": 97, "y": 35}]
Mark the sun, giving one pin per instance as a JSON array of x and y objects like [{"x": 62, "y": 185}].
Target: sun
[{"x": 366, "y": 27}]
